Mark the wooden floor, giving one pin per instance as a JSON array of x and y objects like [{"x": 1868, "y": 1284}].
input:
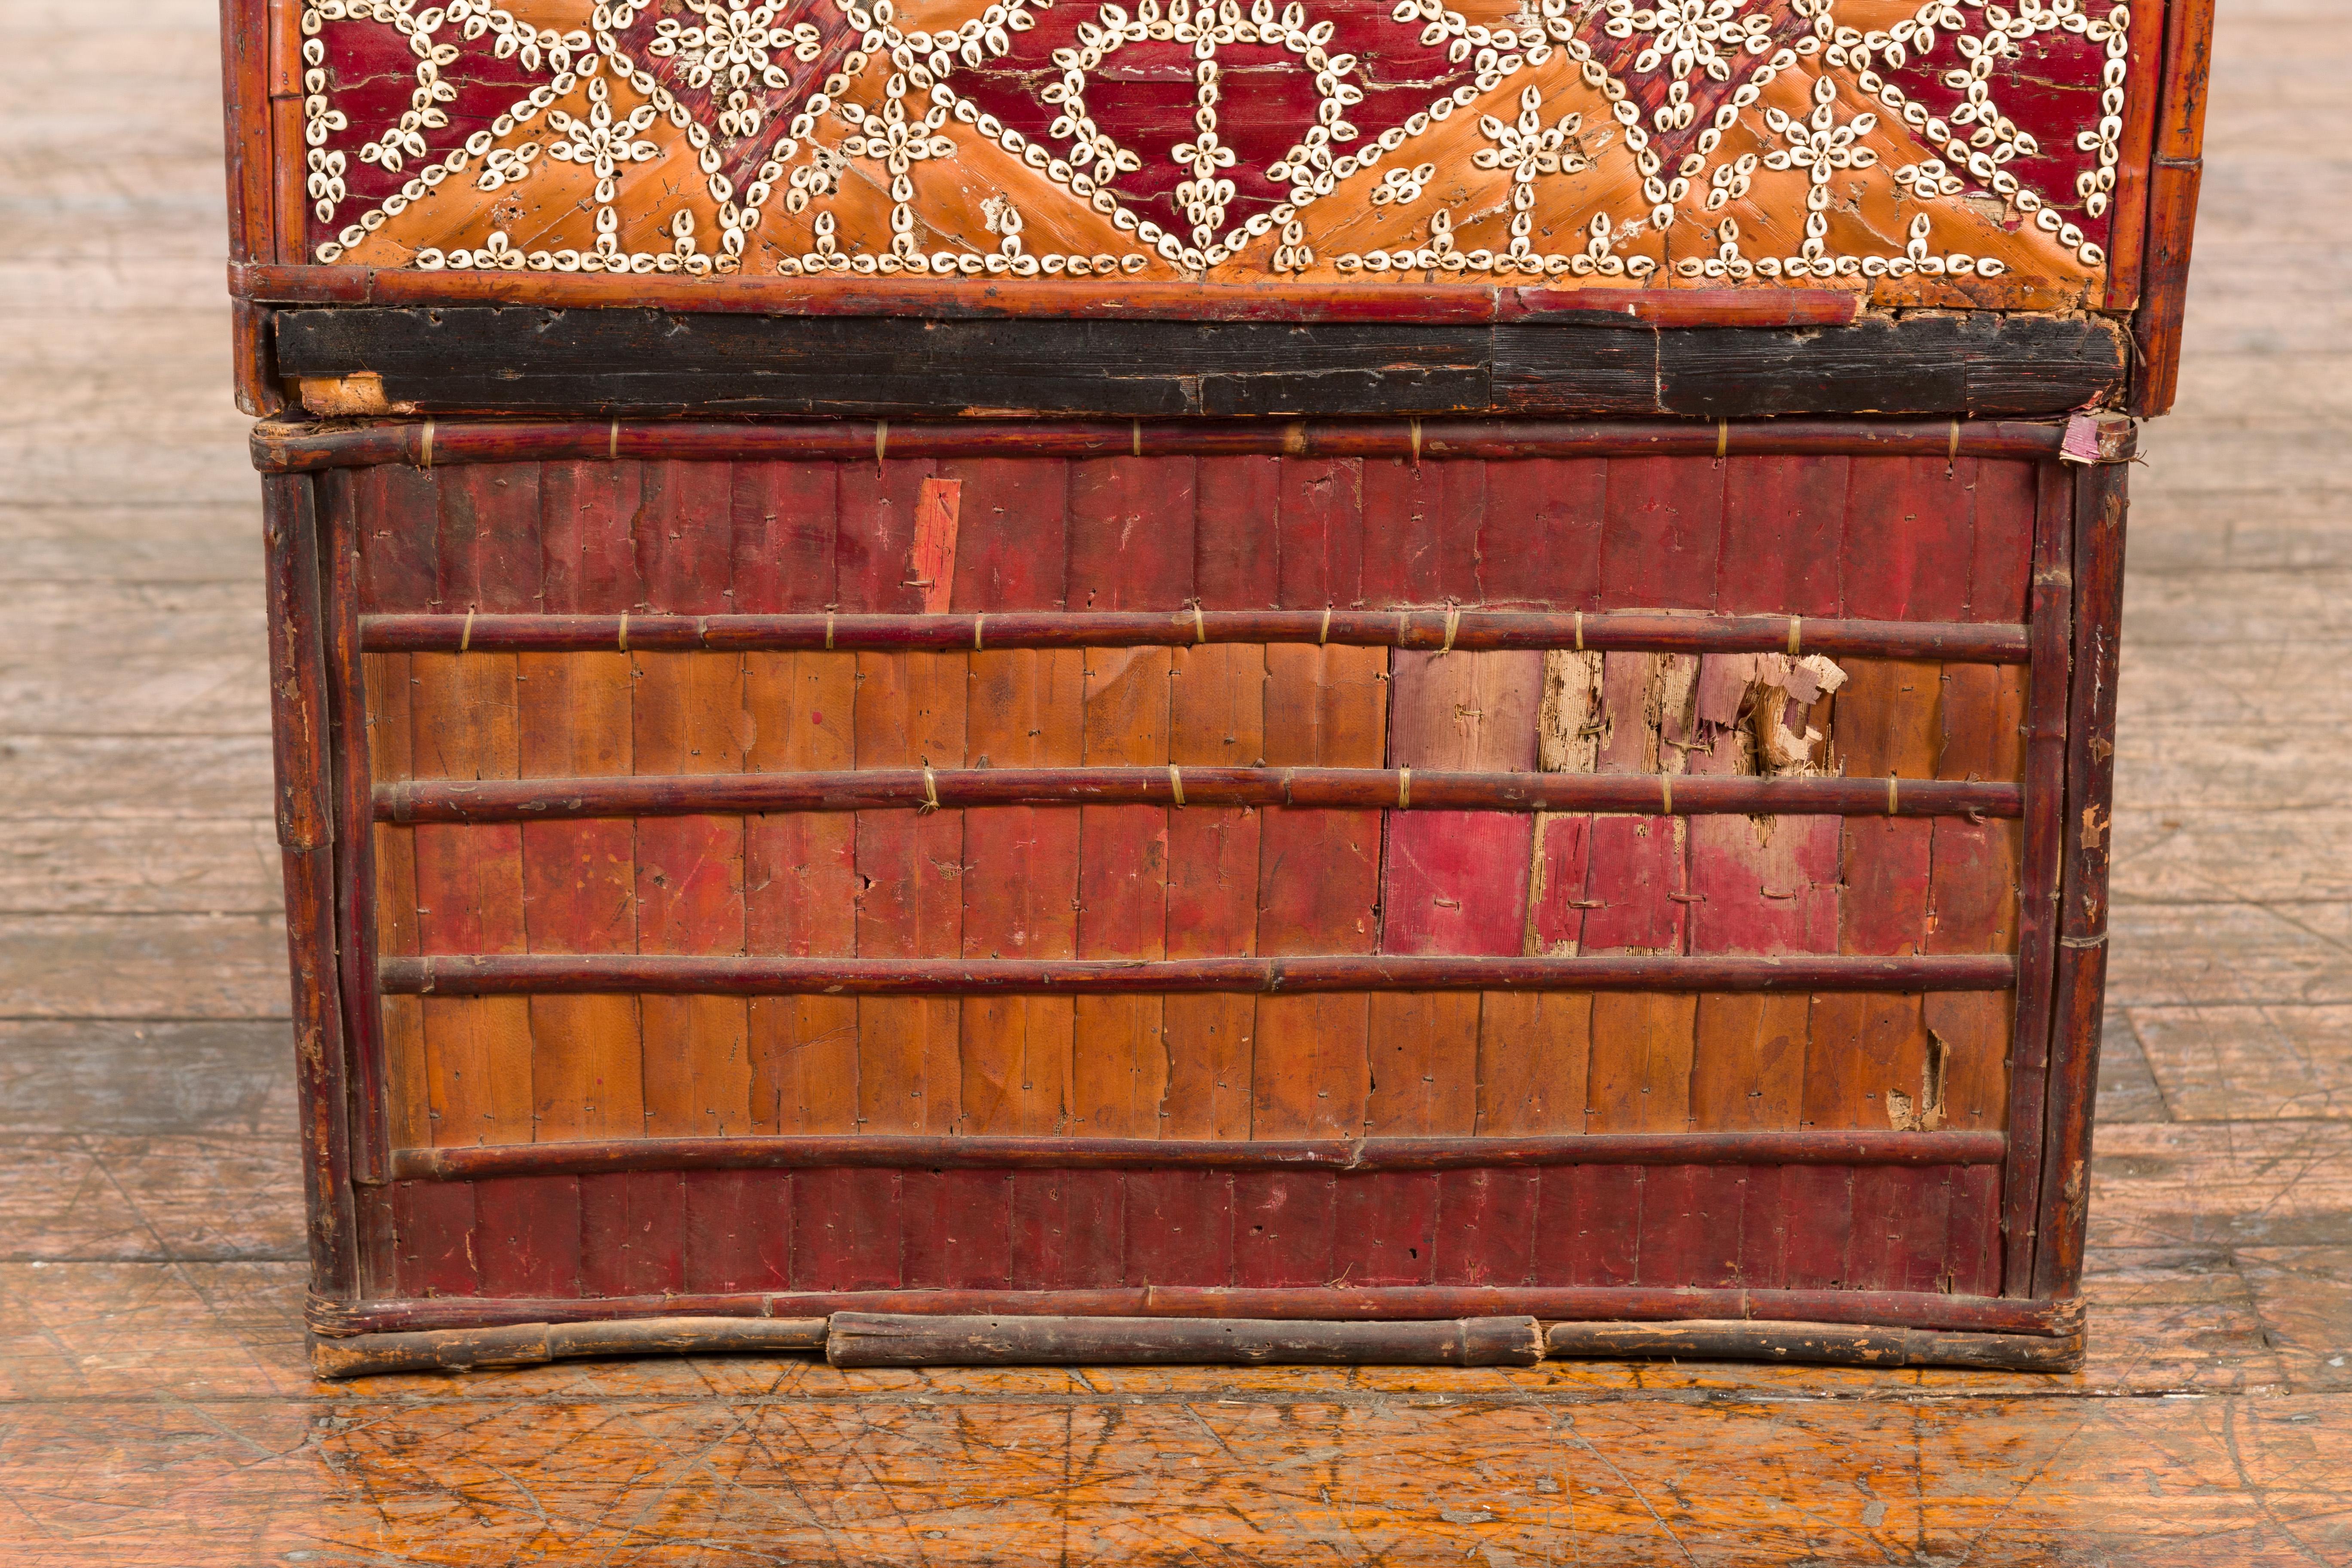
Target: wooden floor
[{"x": 154, "y": 1407}]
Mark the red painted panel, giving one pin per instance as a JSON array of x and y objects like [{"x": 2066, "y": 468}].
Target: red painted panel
[
  {"x": 1131, "y": 533},
  {"x": 1783, "y": 536},
  {"x": 2001, "y": 569},
  {"x": 1418, "y": 519},
  {"x": 1235, "y": 549},
  {"x": 959, "y": 1229},
  {"x": 632, "y": 1234},
  {"x": 1283, "y": 1228},
  {"x": 1012, "y": 533},
  {"x": 434, "y": 1231},
  {"x": 1486, "y": 1227},
  {"x": 1663, "y": 534},
  {"x": 527, "y": 1236},
  {"x": 1069, "y": 1229},
  {"x": 1385, "y": 1228},
  {"x": 1179, "y": 1227},
  {"x": 684, "y": 537},
  {"x": 489, "y": 557},
  {"x": 1539, "y": 544},
  {"x": 737, "y": 1230},
  {"x": 786, "y": 517},
  {"x": 873, "y": 560},
  {"x": 1320, "y": 527},
  {"x": 588, "y": 553},
  {"x": 398, "y": 511},
  {"x": 848, "y": 1230},
  {"x": 1909, "y": 528},
  {"x": 1817, "y": 1207},
  {"x": 1764, "y": 1227}
]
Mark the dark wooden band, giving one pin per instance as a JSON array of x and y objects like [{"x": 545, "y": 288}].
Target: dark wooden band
[
  {"x": 497, "y": 974},
  {"x": 1464, "y": 631},
  {"x": 302, "y": 445},
  {"x": 528, "y": 359},
  {"x": 1368, "y": 789},
  {"x": 1579, "y": 1303},
  {"x": 605, "y": 1156}
]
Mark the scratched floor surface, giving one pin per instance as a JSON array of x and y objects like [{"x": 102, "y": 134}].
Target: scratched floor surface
[{"x": 154, "y": 1407}]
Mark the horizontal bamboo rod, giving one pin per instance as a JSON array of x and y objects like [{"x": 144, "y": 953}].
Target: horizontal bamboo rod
[
  {"x": 1464, "y": 631},
  {"x": 605, "y": 1157},
  {"x": 855, "y": 1339},
  {"x": 487, "y": 974},
  {"x": 1631, "y": 1303},
  {"x": 303, "y": 445},
  {"x": 1368, "y": 789},
  {"x": 1814, "y": 1344},
  {"x": 533, "y": 1345},
  {"x": 931, "y": 1338}
]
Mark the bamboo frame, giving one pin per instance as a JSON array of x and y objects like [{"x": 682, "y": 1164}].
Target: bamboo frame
[
  {"x": 501, "y": 975},
  {"x": 300, "y": 444},
  {"x": 1572, "y": 1303},
  {"x": 1363, "y": 789},
  {"x": 2052, "y": 619},
  {"x": 586, "y": 1157},
  {"x": 1463, "y": 631}
]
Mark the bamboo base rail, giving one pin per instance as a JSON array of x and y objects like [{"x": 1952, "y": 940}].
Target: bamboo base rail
[
  {"x": 593, "y": 1157},
  {"x": 1575, "y": 1303},
  {"x": 1614, "y": 631},
  {"x": 1815, "y": 1344},
  {"x": 487, "y": 974},
  {"x": 1397, "y": 789},
  {"x": 914, "y": 1340}
]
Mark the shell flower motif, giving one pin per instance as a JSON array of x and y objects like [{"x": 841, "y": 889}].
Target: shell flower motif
[
  {"x": 1689, "y": 35},
  {"x": 600, "y": 142},
  {"x": 1528, "y": 147},
  {"x": 739, "y": 45},
  {"x": 1818, "y": 144},
  {"x": 736, "y": 44}
]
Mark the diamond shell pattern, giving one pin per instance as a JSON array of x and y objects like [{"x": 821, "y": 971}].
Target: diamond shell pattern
[{"x": 1955, "y": 150}]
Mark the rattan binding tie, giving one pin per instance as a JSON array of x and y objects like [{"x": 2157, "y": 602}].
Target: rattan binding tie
[
  {"x": 1176, "y": 785},
  {"x": 1405, "y": 789},
  {"x": 977, "y": 622},
  {"x": 1796, "y": 635},
  {"x": 1722, "y": 440},
  {"x": 828, "y": 628},
  {"x": 930, "y": 791},
  {"x": 1324, "y": 635},
  {"x": 1200, "y": 623},
  {"x": 1890, "y": 784},
  {"x": 881, "y": 442},
  {"x": 466, "y": 638},
  {"x": 425, "y": 457},
  {"x": 1136, "y": 425},
  {"x": 1667, "y": 793},
  {"x": 1579, "y": 631},
  {"x": 625, "y": 631},
  {"x": 612, "y": 444},
  {"x": 1412, "y": 428},
  {"x": 1453, "y": 624}
]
